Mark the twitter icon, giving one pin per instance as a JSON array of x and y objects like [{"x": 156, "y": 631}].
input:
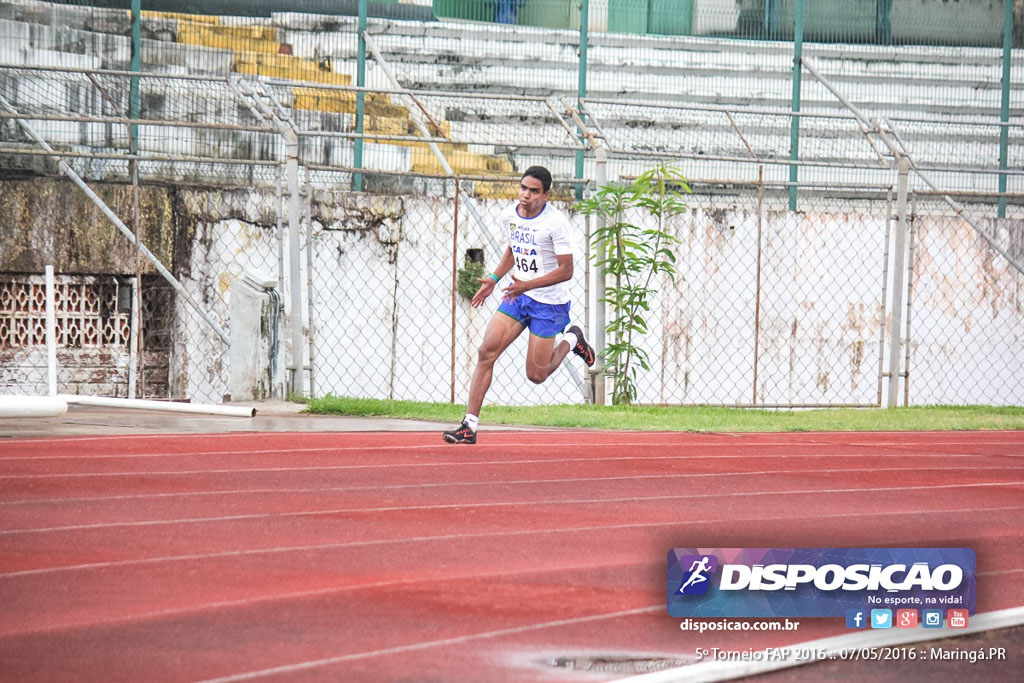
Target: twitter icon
[{"x": 881, "y": 618}]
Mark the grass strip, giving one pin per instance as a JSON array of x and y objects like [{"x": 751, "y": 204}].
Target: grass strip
[{"x": 690, "y": 418}]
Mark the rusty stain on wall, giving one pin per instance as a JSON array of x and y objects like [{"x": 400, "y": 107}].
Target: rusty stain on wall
[{"x": 958, "y": 274}]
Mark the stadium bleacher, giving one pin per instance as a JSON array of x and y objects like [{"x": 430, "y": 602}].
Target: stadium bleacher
[{"x": 933, "y": 83}]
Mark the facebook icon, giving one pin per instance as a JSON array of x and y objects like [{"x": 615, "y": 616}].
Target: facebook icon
[{"x": 856, "y": 618}]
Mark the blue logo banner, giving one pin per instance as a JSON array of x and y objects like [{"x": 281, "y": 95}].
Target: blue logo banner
[{"x": 818, "y": 582}]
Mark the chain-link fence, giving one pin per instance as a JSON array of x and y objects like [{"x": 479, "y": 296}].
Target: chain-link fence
[
  {"x": 965, "y": 312},
  {"x": 771, "y": 307},
  {"x": 242, "y": 146},
  {"x": 388, "y": 318}
]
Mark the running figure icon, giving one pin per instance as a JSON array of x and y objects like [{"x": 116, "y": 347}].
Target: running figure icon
[{"x": 698, "y": 570}]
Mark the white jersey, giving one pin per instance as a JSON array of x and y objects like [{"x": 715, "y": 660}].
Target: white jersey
[{"x": 536, "y": 243}]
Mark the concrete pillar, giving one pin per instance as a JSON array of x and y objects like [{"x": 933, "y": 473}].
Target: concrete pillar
[{"x": 254, "y": 356}]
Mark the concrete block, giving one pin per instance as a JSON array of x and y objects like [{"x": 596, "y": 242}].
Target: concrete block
[
  {"x": 195, "y": 58},
  {"x": 15, "y": 32},
  {"x": 251, "y": 350}
]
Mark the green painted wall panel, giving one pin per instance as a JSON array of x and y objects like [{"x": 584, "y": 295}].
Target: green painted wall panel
[
  {"x": 550, "y": 13},
  {"x": 627, "y": 16},
  {"x": 670, "y": 17}
]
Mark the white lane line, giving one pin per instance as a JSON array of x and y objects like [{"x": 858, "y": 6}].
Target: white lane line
[
  {"x": 486, "y": 482},
  {"x": 515, "y": 504},
  {"x": 284, "y": 450},
  {"x": 835, "y": 646},
  {"x": 709, "y": 671},
  {"x": 333, "y": 590},
  {"x": 487, "y": 534},
  {"x": 325, "y": 434},
  {"x": 299, "y": 595},
  {"x": 1002, "y": 571},
  {"x": 487, "y": 446},
  {"x": 471, "y": 463},
  {"x": 32, "y": 440},
  {"x": 426, "y": 645},
  {"x": 721, "y": 436}
]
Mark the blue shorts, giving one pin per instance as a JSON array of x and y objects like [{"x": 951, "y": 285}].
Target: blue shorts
[{"x": 544, "y": 320}]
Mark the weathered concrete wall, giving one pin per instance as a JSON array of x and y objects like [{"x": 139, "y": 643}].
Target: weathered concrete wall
[
  {"x": 806, "y": 323},
  {"x": 220, "y": 233},
  {"x": 50, "y": 221},
  {"x": 204, "y": 237},
  {"x": 87, "y": 372},
  {"x": 382, "y": 281}
]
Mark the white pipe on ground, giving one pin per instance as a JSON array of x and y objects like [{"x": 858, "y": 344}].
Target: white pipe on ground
[
  {"x": 169, "y": 406},
  {"x": 32, "y": 406}
]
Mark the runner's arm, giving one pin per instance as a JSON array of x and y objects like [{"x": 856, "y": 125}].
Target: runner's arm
[{"x": 487, "y": 282}]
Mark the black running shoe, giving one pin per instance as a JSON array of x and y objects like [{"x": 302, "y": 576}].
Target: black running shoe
[
  {"x": 582, "y": 348},
  {"x": 461, "y": 434}
]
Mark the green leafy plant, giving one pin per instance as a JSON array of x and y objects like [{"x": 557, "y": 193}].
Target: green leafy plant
[
  {"x": 633, "y": 255},
  {"x": 468, "y": 281}
]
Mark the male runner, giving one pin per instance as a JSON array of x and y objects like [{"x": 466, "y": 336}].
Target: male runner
[{"x": 539, "y": 260}]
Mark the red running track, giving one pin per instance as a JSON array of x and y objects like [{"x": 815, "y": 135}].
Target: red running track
[{"x": 393, "y": 556}]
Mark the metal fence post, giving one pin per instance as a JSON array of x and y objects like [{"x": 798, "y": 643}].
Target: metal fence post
[
  {"x": 279, "y": 197},
  {"x": 311, "y": 311},
  {"x": 757, "y": 291},
  {"x": 294, "y": 258},
  {"x": 357, "y": 161},
  {"x": 899, "y": 266},
  {"x": 455, "y": 288},
  {"x": 597, "y": 372},
  {"x": 883, "y": 22},
  {"x": 794, "y": 123},
  {"x": 581, "y": 91},
  {"x": 1004, "y": 109},
  {"x": 134, "y": 348},
  {"x": 772, "y": 20},
  {"x": 51, "y": 333},
  {"x": 136, "y": 65}
]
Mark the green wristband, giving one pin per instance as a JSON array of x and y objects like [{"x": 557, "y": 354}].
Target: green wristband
[{"x": 496, "y": 278}]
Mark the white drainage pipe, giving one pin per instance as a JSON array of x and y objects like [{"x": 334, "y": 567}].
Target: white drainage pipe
[
  {"x": 169, "y": 406},
  {"x": 32, "y": 406}
]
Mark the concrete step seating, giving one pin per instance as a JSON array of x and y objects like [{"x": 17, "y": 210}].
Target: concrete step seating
[
  {"x": 954, "y": 84},
  {"x": 204, "y": 44},
  {"x": 258, "y": 52},
  {"x": 527, "y": 60}
]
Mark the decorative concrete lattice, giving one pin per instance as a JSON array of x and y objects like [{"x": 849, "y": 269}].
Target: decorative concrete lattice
[{"x": 88, "y": 313}]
